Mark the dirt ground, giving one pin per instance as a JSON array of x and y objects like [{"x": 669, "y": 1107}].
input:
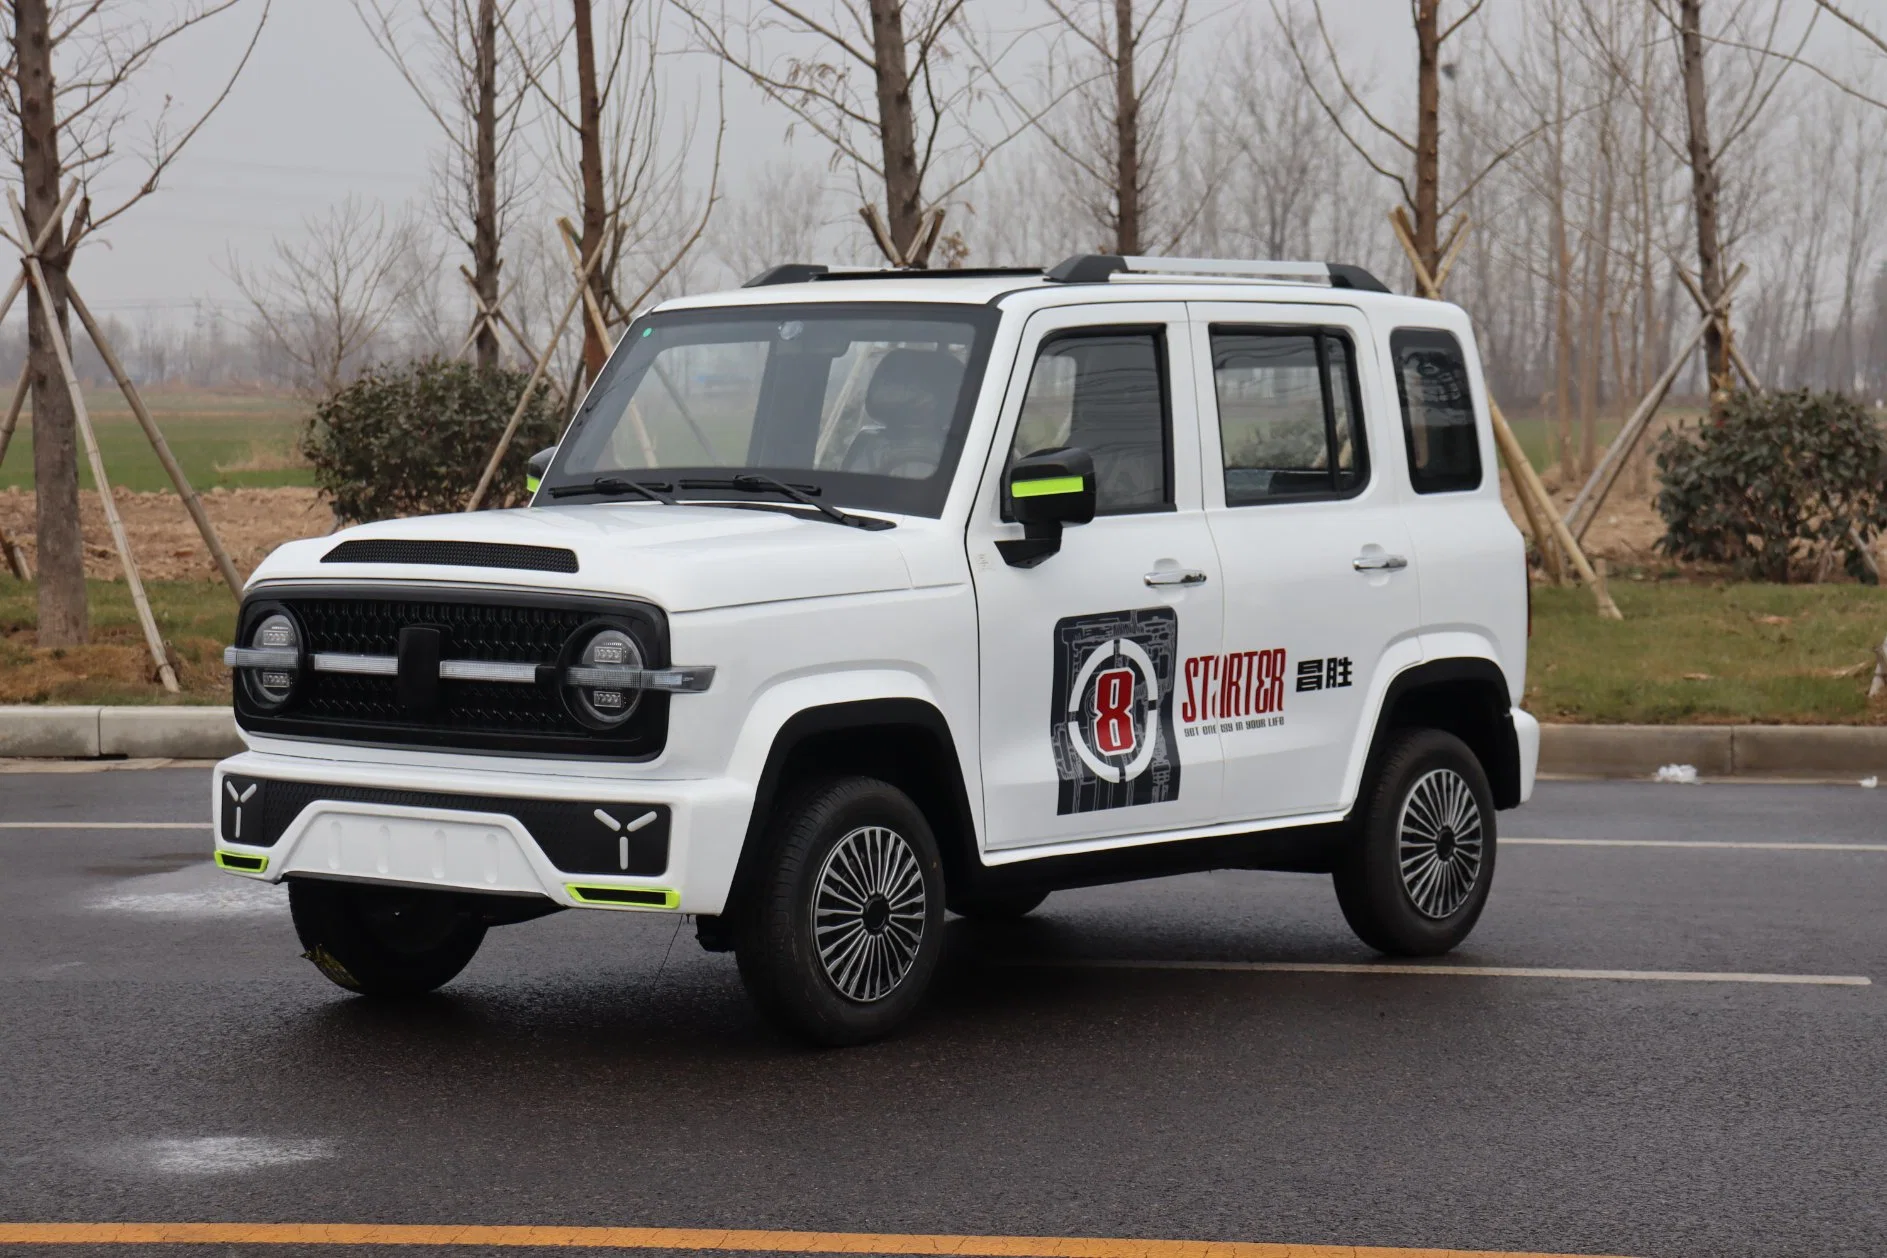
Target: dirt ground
[
  {"x": 252, "y": 522},
  {"x": 164, "y": 541}
]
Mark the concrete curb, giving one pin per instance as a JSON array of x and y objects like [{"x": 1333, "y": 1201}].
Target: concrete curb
[
  {"x": 1603, "y": 751},
  {"x": 1791, "y": 751},
  {"x": 180, "y": 733}
]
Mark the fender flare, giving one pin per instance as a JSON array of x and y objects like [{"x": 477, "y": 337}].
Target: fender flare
[{"x": 1481, "y": 678}]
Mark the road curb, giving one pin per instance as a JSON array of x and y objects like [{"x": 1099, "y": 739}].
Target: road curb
[
  {"x": 85, "y": 733},
  {"x": 1600, "y": 751},
  {"x": 1719, "y": 751}
]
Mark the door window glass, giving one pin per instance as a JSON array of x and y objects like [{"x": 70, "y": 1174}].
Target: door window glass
[
  {"x": 1288, "y": 415},
  {"x": 1104, "y": 391},
  {"x": 1437, "y": 411}
]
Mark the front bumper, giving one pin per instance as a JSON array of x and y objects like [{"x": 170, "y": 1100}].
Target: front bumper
[{"x": 581, "y": 841}]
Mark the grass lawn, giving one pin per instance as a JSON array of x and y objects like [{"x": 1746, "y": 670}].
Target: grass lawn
[
  {"x": 1685, "y": 652},
  {"x": 197, "y": 619},
  {"x": 234, "y": 439},
  {"x": 1704, "y": 653}
]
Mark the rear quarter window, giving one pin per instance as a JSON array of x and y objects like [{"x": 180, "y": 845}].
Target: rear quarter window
[{"x": 1437, "y": 411}]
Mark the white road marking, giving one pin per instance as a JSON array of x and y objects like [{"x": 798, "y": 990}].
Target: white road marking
[
  {"x": 1699, "y": 843},
  {"x": 105, "y": 825},
  {"x": 218, "y": 1155},
  {"x": 1456, "y": 971}
]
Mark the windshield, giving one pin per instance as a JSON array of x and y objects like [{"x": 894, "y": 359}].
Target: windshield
[{"x": 864, "y": 404}]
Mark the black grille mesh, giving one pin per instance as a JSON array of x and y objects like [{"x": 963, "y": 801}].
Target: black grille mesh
[{"x": 460, "y": 554}]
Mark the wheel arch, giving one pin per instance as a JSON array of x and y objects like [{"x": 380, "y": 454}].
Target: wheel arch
[
  {"x": 1464, "y": 696},
  {"x": 904, "y": 741}
]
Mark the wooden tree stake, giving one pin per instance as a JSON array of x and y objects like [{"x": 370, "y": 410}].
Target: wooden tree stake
[
  {"x": 192, "y": 503},
  {"x": 1526, "y": 479},
  {"x": 152, "y": 638},
  {"x": 524, "y": 401}
]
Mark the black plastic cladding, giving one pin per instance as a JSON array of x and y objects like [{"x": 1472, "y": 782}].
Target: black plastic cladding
[{"x": 517, "y": 627}]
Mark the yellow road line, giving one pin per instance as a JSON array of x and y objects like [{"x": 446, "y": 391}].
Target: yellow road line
[
  {"x": 1717, "y": 844},
  {"x": 1449, "y": 971},
  {"x": 691, "y": 1239}
]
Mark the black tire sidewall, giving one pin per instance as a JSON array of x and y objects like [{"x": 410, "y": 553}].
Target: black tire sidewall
[
  {"x": 335, "y": 922},
  {"x": 774, "y": 943},
  {"x": 1369, "y": 882}
]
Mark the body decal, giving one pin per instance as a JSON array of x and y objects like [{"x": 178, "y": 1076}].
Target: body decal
[{"x": 1111, "y": 723}]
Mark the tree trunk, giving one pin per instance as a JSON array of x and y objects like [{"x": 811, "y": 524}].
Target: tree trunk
[
  {"x": 590, "y": 169},
  {"x": 1126, "y": 134},
  {"x": 1427, "y": 205},
  {"x": 1704, "y": 187},
  {"x": 1562, "y": 272},
  {"x": 485, "y": 259},
  {"x": 62, "y": 611},
  {"x": 897, "y": 130}
]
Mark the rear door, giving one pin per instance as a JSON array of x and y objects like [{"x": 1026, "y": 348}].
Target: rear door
[
  {"x": 1081, "y": 655},
  {"x": 1303, "y": 494}
]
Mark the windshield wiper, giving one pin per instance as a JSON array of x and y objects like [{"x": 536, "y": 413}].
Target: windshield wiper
[
  {"x": 613, "y": 485},
  {"x": 753, "y": 483}
]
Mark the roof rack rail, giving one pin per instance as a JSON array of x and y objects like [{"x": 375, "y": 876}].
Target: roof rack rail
[
  {"x": 806, "y": 272},
  {"x": 1099, "y": 268}
]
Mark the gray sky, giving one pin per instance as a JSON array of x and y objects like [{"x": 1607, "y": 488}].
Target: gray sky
[{"x": 320, "y": 114}]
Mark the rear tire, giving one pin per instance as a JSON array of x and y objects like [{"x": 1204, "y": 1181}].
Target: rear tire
[
  {"x": 841, "y": 934},
  {"x": 998, "y": 906},
  {"x": 1415, "y": 875},
  {"x": 383, "y": 941}
]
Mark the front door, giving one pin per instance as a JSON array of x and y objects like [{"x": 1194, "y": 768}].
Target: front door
[
  {"x": 1083, "y": 656},
  {"x": 1303, "y": 494}
]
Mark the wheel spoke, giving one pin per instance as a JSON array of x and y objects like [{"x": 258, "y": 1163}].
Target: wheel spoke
[
  {"x": 868, "y": 908},
  {"x": 1440, "y": 843}
]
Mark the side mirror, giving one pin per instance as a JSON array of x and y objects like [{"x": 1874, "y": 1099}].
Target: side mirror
[
  {"x": 535, "y": 468},
  {"x": 1047, "y": 491}
]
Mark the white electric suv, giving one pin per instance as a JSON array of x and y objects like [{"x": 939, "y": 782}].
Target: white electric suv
[{"x": 847, "y": 598}]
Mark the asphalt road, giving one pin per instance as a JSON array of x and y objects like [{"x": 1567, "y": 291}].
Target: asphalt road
[{"x": 165, "y": 1055}]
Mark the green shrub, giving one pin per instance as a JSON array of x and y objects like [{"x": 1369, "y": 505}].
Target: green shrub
[
  {"x": 1778, "y": 490},
  {"x": 414, "y": 439}
]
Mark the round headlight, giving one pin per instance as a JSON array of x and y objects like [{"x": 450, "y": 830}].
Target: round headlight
[
  {"x": 607, "y": 706},
  {"x": 271, "y": 686}
]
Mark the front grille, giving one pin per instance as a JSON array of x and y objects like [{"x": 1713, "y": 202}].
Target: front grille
[
  {"x": 492, "y": 626},
  {"x": 458, "y": 554},
  {"x": 256, "y": 812}
]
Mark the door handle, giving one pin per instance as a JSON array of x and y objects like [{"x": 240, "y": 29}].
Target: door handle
[
  {"x": 1379, "y": 563},
  {"x": 1176, "y": 576}
]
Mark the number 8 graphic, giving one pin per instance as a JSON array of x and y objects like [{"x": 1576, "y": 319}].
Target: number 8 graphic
[{"x": 1113, "y": 712}]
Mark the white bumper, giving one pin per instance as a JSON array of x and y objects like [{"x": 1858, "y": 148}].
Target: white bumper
[
  {"x": 1527, "y": 735},
  {"x": 488, "y": 851}
]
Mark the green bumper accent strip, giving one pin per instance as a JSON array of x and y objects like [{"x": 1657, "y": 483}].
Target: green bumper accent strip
[
  {"x": 1045, "y": 486},
  {"x": 624, "y": 897},
  {"x": 241, "y": 863}
]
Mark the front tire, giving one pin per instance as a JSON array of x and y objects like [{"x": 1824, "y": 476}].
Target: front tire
[
  {"x": 383, "y": 941},
  {"x": 1416, "y": 873},
  {"x": 844, "y": 928}
]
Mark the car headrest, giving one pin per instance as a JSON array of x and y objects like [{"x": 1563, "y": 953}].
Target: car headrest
[{"x": 914, "y": 388}]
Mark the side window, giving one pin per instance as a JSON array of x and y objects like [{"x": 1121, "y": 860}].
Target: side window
[
  {"x": 1437, "y": 411},
  {"x": 1106, "y": 392},
  {"x": 1289, "y": 419}
]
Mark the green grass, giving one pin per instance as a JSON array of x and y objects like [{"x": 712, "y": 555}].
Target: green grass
[
  {"x": 1706, "y": 653},
  {"x": 230, "y": 439},
  {"x": 197, "y": 619}
]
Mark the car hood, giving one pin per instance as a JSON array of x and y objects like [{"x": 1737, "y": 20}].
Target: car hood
[{"x": 682, "y": 558}]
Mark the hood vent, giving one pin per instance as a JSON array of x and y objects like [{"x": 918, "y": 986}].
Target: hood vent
[{"x": 454, "y": 554}]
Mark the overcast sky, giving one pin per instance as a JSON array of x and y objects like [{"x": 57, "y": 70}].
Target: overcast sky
[{"x": 320, "y": 114}]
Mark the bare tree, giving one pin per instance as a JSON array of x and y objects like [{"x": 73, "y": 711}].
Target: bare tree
[
  {"x": 1103, "y": 110},
  {"x": 66, "y": 81},
  {"x": 1419, "y": 180},
  {"x": 889, "y": 85},
  {"x": 450, "y": 55},
  {"x": 324, "y": 300},
  {"x": 775, "y": 218},
  {"x": 617, "y": 149}
]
